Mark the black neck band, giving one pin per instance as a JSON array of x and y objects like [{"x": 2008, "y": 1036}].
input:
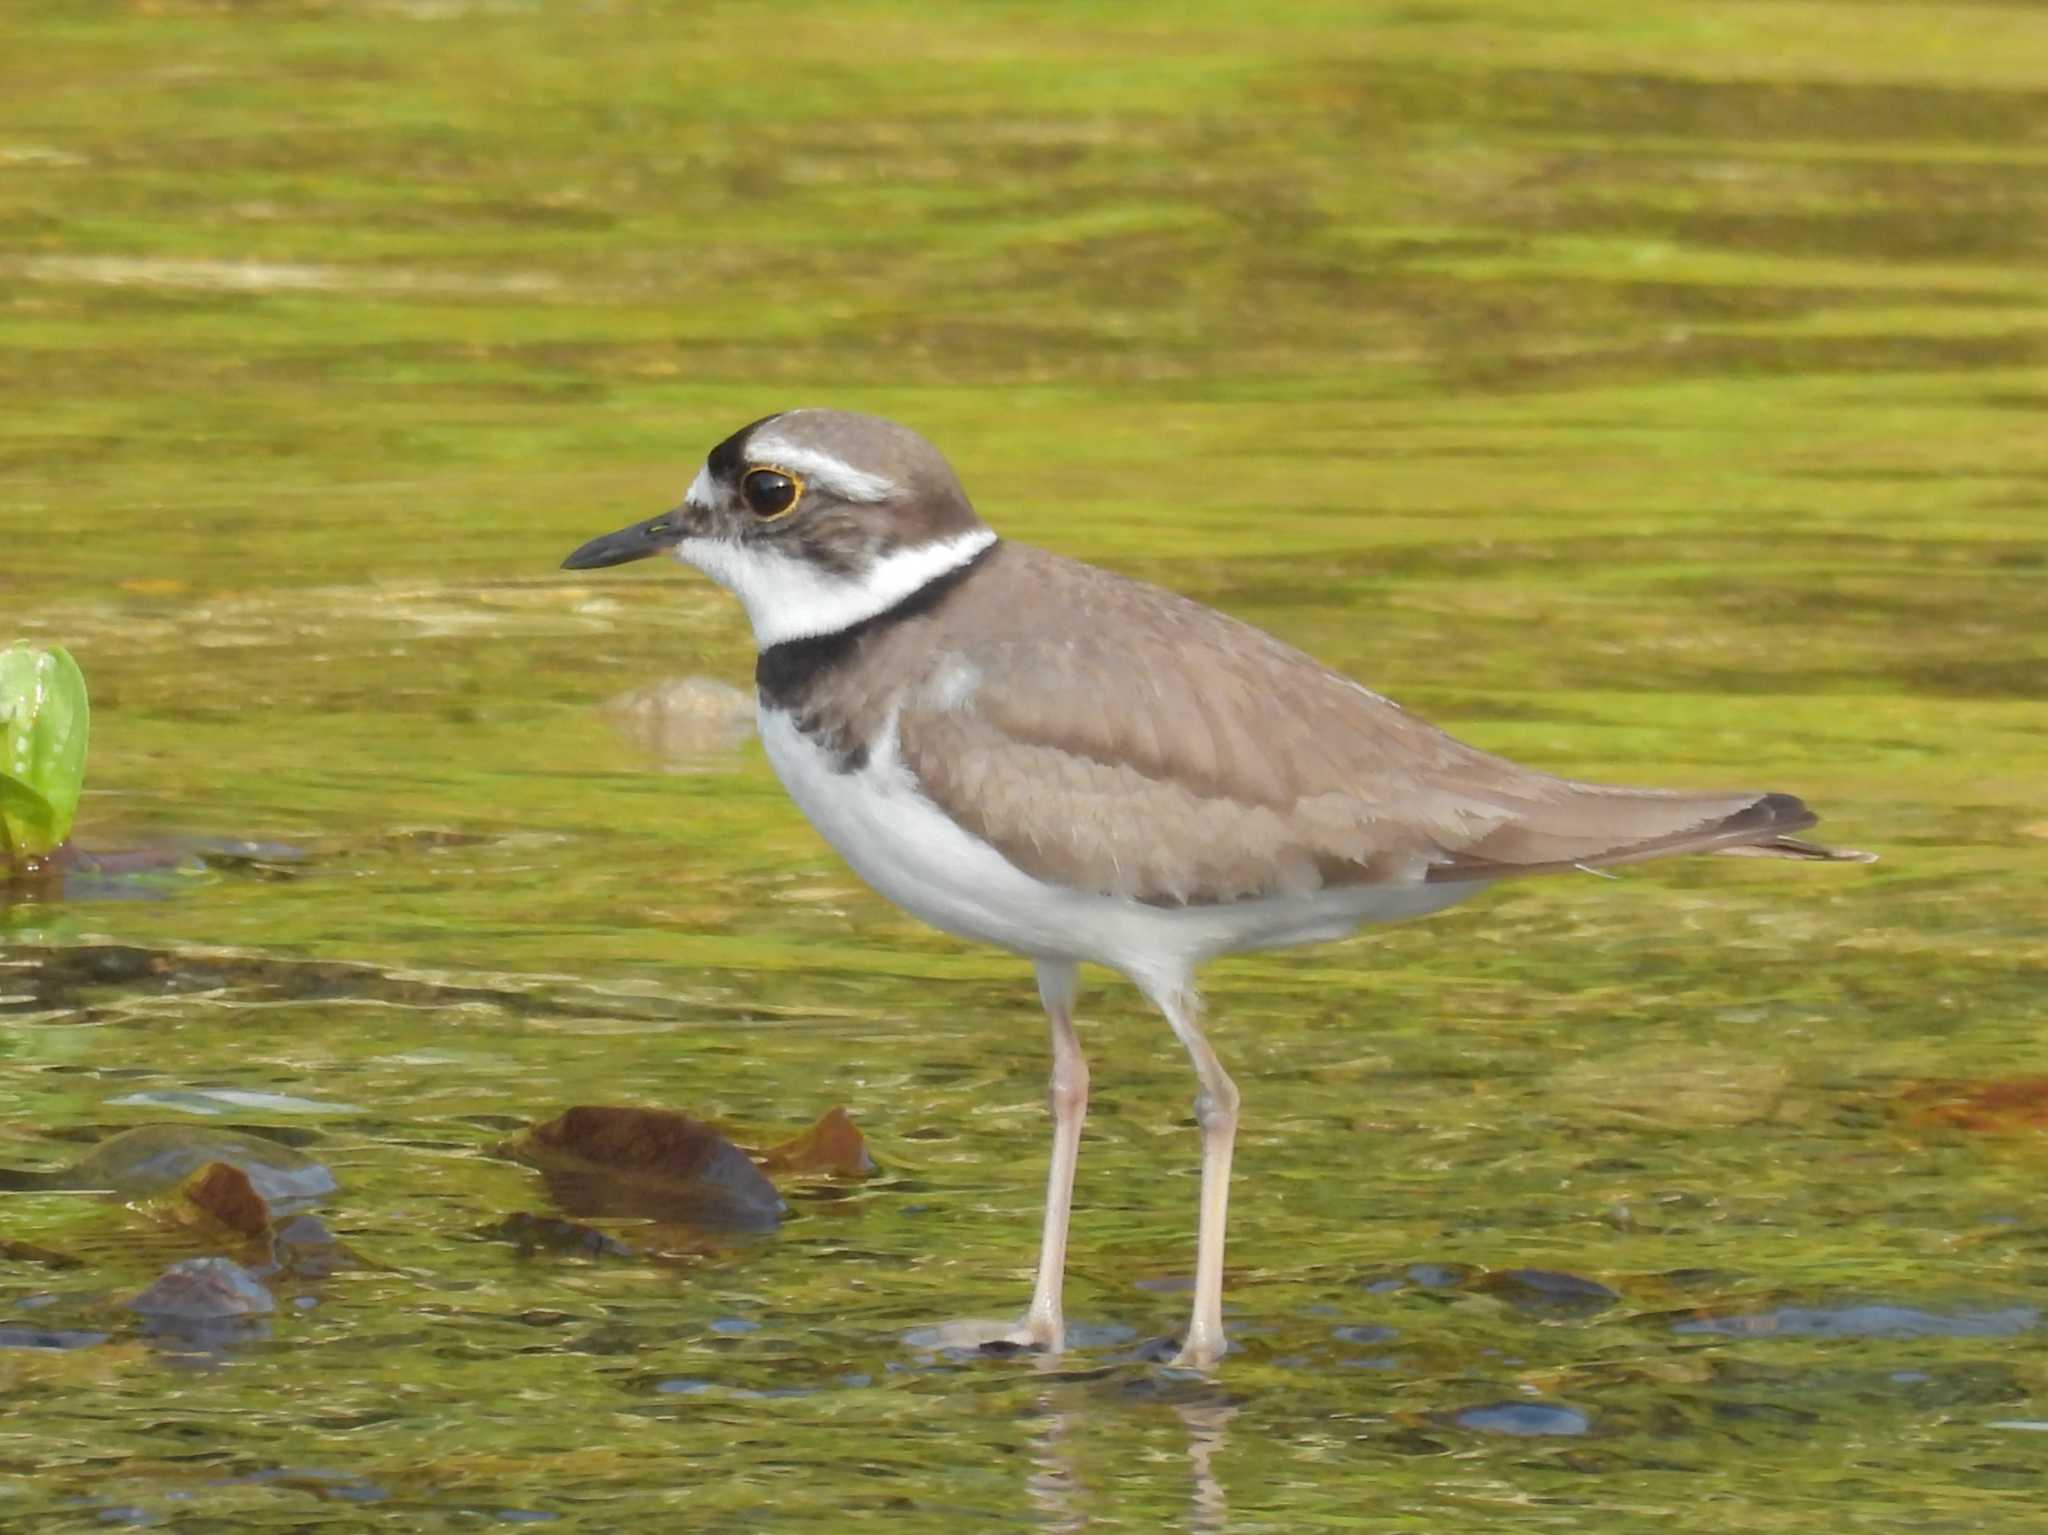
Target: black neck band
[{"x": 787, "y": 670}]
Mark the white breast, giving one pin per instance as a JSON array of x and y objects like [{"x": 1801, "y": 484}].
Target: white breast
[{"x": 911, "y": 852}]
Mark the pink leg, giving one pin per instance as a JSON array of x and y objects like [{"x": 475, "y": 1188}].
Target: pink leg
[
  {"x": 1044, "y": 1324},
  {"x": 1216, "y": 1112}
]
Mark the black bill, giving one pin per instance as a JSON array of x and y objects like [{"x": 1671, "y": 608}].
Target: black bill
[{"x": 657, "y": 535}]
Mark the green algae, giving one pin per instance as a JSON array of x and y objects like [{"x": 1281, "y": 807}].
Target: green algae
[{"x": 1650, "y": 394}]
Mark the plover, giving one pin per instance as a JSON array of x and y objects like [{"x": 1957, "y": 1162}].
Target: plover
[{"x": 1035, "y": 753}]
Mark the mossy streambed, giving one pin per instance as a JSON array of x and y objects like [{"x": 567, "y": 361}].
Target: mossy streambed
[{"x": 1653, "y": 395}]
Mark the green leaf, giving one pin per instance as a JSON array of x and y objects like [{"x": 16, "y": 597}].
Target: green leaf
[{"x": 43, "y": 722}]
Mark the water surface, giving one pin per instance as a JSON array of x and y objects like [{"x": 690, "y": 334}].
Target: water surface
[{"x": 1656, "y": 397}]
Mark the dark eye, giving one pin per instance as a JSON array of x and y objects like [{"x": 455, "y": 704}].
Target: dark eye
[{"x": 770, "y": 492}]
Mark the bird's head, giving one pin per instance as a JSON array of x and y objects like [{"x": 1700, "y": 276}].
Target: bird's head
[{"x": 815, "y": 519}]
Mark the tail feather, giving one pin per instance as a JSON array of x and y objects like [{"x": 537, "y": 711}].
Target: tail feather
[
  {"x": 1793, "y": 847},
  {"x": 1596, "y": 827}
]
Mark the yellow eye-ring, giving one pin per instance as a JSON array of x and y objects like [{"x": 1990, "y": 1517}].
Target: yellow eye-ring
[{"x": 769, "y": 493}]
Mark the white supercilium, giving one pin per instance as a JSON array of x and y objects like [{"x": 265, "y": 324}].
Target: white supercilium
[{"x": 818, "y": 469}]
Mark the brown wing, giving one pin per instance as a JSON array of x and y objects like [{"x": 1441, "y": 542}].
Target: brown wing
[{"x": 1160, "y": 750}]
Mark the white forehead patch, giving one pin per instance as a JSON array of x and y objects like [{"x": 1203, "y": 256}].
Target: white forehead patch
[
  {"x": 834, "y": 475},
  {"x": 700, "y": 493}
]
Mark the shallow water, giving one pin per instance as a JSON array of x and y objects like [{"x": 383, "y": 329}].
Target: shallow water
[{"x": 1653, "y": 397}]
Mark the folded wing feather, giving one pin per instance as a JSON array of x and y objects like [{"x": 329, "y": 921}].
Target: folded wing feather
[{"x": 1180, "y": 757}]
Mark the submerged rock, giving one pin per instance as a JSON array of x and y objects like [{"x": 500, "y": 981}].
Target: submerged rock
[
  {"x": 153, "y": 1159},
  {"x": 203, "y": 1290},
  {"x": 1421, "y": 1276},
  {"x": 49, "y": 1337},
  {"x": 1867, "y": 1321},
  {"x": 1548, "y": 1292},
  {"x": 303, "y": 1248},
  {"x": 203, "y": 1306},
  {"x": 29, "y": 1252},
  {"x": 1524, "y": 1419}
]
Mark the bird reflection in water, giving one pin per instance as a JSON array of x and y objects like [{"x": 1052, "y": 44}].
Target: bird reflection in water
[{"x": 1055, "y": 1487}]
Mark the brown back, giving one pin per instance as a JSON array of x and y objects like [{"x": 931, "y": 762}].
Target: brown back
[{"x": 1113, "y": 736}]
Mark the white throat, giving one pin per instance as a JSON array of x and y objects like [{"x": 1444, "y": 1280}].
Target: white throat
[{"x": 789, "y": 599}]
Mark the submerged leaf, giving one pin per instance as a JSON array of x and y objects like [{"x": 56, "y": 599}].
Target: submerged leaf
[
  {"x": 651, "y": 1163},
  {"x": 220, "y": 1195},
  {"x": 833, "y": 1145},
  {"x": 43, "y": 726},
  {"x": 1992, "y": 1104}
]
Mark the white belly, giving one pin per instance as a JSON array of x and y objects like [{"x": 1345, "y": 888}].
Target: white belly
[{"x": 903, "y": 845}]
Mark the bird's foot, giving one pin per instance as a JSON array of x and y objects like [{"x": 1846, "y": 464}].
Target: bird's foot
[
  {"x": 1199, "y": 1353},
  {"x": 989, "y": 1335}
]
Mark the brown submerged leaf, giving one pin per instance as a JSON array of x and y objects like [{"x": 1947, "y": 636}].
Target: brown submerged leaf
[
  {"x": 649, "y": 1163},
  {"x": 655, "y": 1141},
  {"x": 832, "y": 1145},
  {"x": 220, "y": 1194},
  {"x": 1996, "y": 1104}
]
